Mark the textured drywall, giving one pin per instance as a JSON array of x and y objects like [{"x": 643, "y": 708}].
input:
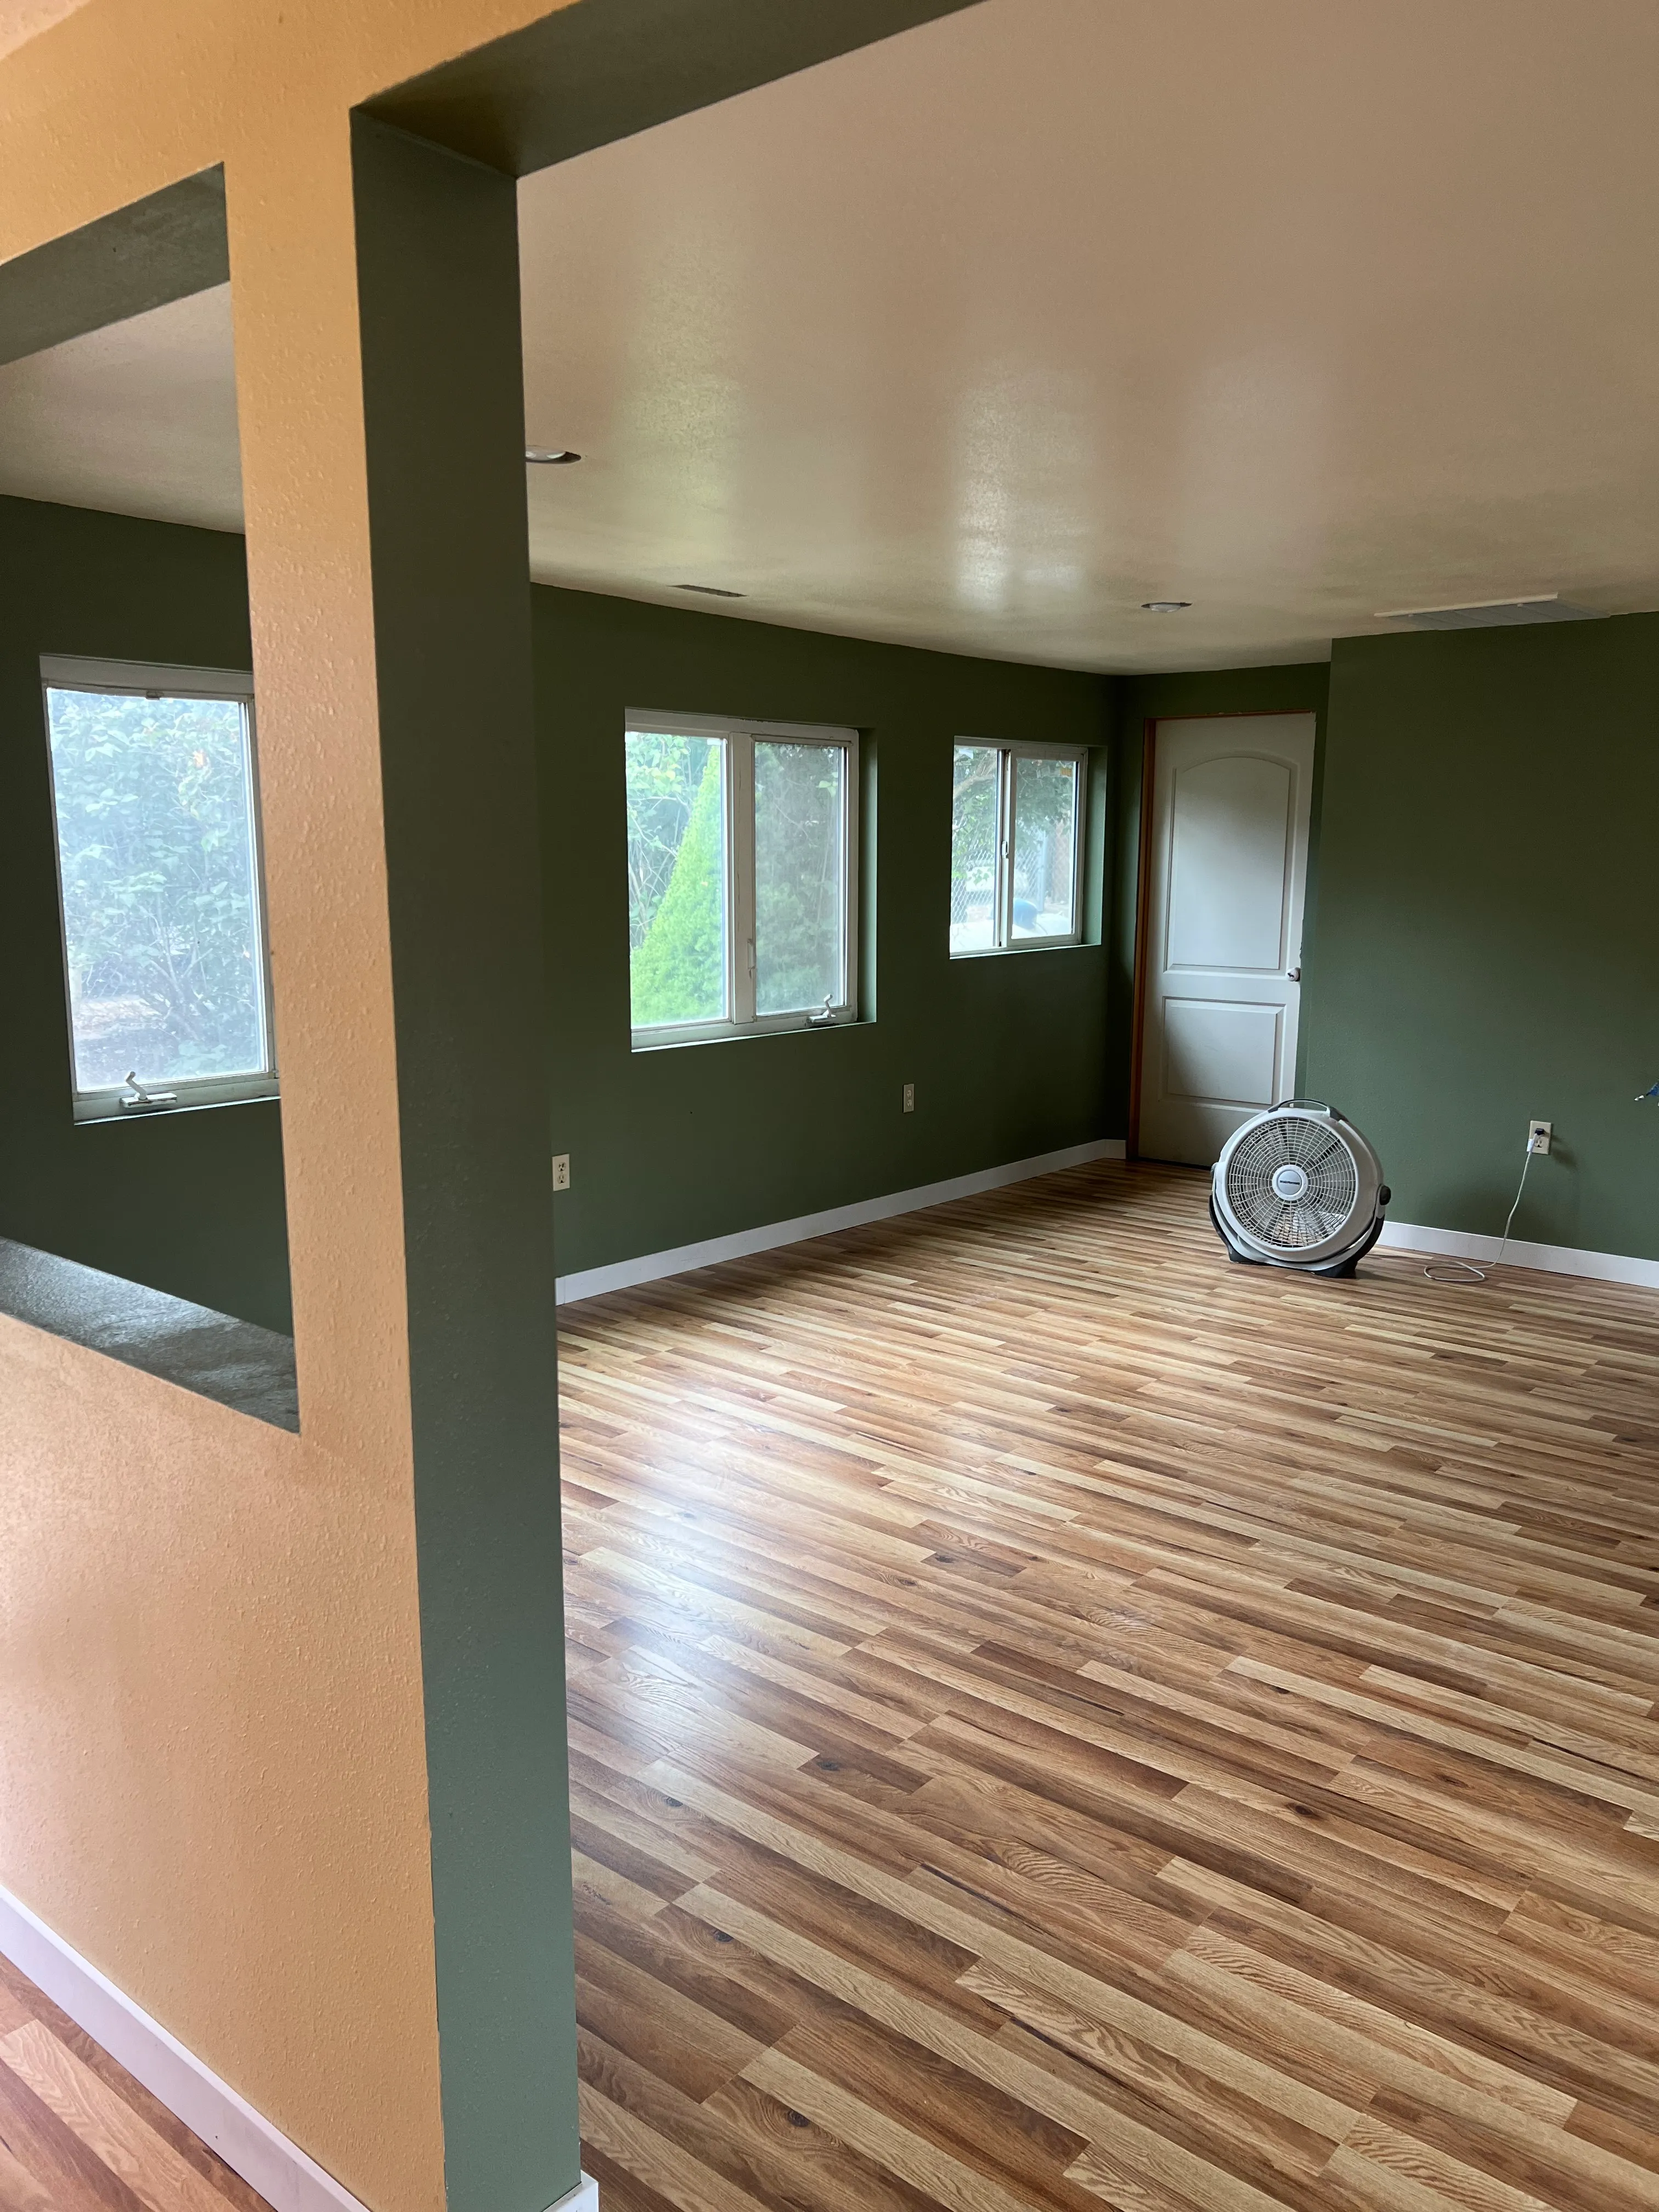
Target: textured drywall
[
  {"x": 233, "y": 1361},
  {"x": 1485, "y": 949},
  {"x": 20, "y": 20},
  {"x": 216, "y": 1783},
  {"x": 213, "y": 1780},
  {"x": 438, "y": 273}
]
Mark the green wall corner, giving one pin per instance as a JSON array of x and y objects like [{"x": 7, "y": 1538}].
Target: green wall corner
[
  {"x": 1487, "y": 947},
  {"x": 676, "y": 1146},
  {"x": 189, "y": 1203}
]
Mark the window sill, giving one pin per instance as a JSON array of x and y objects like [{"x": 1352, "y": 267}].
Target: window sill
[
  {"x": 248, "y": 1368},
  {"x": 179, "y": 1098},
  {"x": 1026, "y": 945},
  {"x": 644, "y": 1040}
]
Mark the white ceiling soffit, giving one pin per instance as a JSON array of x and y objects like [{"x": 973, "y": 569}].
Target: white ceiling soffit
[
  {"x": 20, "y": 20},
  {"x": 139, "y": 418},
  {"x": 982, "y": 337}
]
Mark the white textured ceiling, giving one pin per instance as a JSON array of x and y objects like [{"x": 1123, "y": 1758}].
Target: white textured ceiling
[
  {"x": 982, "y": 337},
  {"x": 140, "y": 418}
]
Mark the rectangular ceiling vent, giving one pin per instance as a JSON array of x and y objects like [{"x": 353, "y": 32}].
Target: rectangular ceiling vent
[{"x": 1493, "y": 614}]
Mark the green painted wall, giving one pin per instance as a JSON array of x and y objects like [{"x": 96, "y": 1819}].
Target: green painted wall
[
  {"x": 1453, "y": 925},
  {"x": 1487, "y": 947},
  {"x": 190, "y": 1203},
  {"x": 1008, "y": 1056},
  {"x": 437, "y": 255},
  {"x": 1298, "y": 688}
]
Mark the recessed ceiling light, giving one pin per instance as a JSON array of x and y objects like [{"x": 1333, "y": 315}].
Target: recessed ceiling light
[
  {"x": 1163, "y": 606},
  {"x": 712, "y": 591},
  {"x": 560, "y": 456}
]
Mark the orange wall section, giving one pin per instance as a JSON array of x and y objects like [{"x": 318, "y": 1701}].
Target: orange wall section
[{"x": 213, "y": 1782}]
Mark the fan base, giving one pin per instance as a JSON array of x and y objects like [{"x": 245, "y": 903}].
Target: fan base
[{"x": 1340, "y": 1268}]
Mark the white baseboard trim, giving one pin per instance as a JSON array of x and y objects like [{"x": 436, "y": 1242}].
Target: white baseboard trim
[
  {"x": 584, "y": 2197},
  {"x": 1552, "y": 1259},
  {"x": 654, "y": 1266},
  {"x": 283, "y": 2174}
]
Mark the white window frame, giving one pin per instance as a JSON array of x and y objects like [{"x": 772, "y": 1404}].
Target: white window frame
[
  {"x": 740, "y": 737},
  {"x": 1009, "y": 751},
  {"x": 155, "y": 680}
]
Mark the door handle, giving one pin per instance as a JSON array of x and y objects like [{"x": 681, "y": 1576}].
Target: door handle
[{"x": 1293, "y": 974}]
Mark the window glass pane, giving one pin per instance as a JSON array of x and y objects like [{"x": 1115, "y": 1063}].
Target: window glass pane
[
  {"x": 974, "y": 849},
  {"x": 1045, "y": 836},
  {"x": 800, "y": 896},
  {"x": 676, "y": 923},
  {"x": 155, "y": 842}
]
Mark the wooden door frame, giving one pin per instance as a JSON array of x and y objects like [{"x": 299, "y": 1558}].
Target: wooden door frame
[{"x": 1143, "y": 901}]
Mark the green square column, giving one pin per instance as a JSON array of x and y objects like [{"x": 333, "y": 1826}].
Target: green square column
[{"x": 437, "y": 291}]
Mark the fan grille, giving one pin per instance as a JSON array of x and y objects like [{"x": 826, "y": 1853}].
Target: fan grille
[{"x": 1324, "y": 1205}]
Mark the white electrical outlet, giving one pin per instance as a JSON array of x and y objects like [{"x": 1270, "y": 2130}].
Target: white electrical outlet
[
  {"x": 909, "y": 1105},
  {"x": 1538, "y": 1135},
  {"x": 561, "y": 1171}
]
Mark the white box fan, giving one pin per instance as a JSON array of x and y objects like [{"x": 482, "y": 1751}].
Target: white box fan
[{"x": 1298, "y": 1186}]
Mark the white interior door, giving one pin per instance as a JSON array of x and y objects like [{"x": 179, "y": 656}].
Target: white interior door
[{"x": 1228, "y": 861}]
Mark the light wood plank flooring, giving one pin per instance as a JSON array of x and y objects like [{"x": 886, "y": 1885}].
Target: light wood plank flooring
[
  {"x": 1058, "y": 1720},
  {"x": 78, "y": 2134}
]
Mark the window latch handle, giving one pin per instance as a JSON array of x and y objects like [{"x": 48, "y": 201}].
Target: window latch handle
[{"x": 141, "y": 1098}]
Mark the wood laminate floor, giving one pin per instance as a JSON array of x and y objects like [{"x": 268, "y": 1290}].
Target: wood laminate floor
[
  {"x": 1058, "y": 1720},
  {"x": 78, "y": 2134}
]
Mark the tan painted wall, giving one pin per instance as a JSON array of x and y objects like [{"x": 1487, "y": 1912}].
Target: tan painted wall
[
  {"x": 27, "y": 19},
  {"x": 211, "y": 1761}
]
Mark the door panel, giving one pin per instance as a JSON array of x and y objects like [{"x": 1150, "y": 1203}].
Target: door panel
[
  {"x": 1228, "y": 868},
  {"x": 1229, "y": 855},
  {"x": 1215, "y": 1051}
]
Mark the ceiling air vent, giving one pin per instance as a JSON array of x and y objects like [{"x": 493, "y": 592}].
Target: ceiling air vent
[{"x": 1492, "y": 614}]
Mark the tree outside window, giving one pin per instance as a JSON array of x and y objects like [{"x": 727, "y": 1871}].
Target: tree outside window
[{"x": 158, "y": 867}]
